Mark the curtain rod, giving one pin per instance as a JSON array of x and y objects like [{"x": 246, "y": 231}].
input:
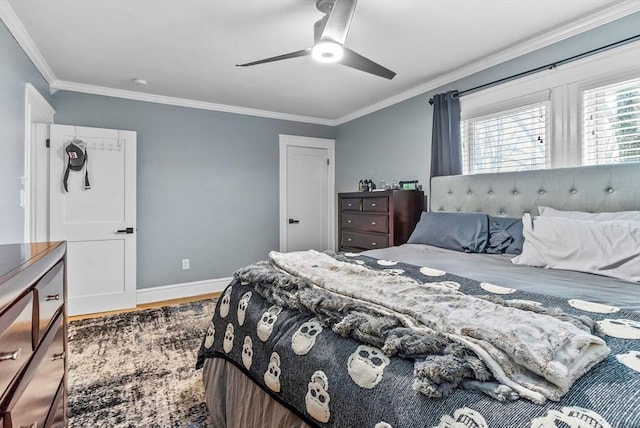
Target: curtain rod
[{"x": 549, "y": 66}]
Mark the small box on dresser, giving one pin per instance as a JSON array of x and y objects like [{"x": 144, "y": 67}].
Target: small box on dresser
[
  {"x": 370, "y": 220},
  {"x": 33, "y": 335}
]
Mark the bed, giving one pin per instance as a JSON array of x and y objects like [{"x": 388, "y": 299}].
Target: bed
[{"x": 282, "y": 351}]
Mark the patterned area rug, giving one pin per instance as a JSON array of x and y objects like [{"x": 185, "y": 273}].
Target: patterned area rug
[{"x": 137, "y": 369}]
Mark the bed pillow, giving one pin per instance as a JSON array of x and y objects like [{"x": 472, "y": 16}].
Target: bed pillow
[
  {"x": 505, "y": 235},
  {"x": 468, "y": 232},
  {"x": 610, "y": 248},
  {"x": 583, "y": 215}
]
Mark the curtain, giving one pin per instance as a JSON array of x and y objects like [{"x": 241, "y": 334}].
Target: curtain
[{"x": 446, "y": 149}]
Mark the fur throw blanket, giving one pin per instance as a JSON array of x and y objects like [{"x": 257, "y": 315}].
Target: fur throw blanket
[{"x": 507, "y": 350}]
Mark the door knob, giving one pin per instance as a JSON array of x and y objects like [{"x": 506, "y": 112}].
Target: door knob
[
  {"x": 127, "y": 230},
  {"x": 293, "y": 221}
]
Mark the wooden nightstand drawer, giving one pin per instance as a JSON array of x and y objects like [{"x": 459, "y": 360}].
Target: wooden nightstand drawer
[
  {"x": 380, "y": 205},
  {"x": 351, "y": 204},
  {"x": 50, "y": 297},
  {"x": 366, "y": 222},
  {"x": 15, "y": 339},
  {"x": 367, "y": 241}
]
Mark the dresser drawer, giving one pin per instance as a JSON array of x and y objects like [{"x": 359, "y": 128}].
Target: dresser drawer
[
  {"x": 367, "y": 241},
  {"x": 50, "y": 298},
  {"x": 15, "y": 339},
  {"x": 27, "y": 273},
  {"x": 351, "y": 204},
  {"x": 380, "y": 205},
  {"x": 366, "y": 222},
  {"x": 38, "y": 395},
  {"x": 55, "y": 418}
]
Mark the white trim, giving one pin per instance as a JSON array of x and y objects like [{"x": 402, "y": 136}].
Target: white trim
[
  {"x": 38, "y": 115},
  {"x": 563, "y": 87},
  {"x": 619, "y": 61},
  {"x": 619, "y": 10},
  {"x": 182, "y": 102},
  {"x": 179, "y": 291},
  {"x": 40, "y": 107},
  {"x": 18, "y": 31},
  {"x": 319, "y": 143}
]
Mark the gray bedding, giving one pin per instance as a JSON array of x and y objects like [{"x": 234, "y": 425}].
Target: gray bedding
[
  {"x": 315, "y": 375},
  {"x": 498, "y": 270}
]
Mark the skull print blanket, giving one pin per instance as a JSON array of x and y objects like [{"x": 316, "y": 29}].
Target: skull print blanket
[{"x": 406, "y": 332}]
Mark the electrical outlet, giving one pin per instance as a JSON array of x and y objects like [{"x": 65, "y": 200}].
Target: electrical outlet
[{"x": 185, "y": 264}]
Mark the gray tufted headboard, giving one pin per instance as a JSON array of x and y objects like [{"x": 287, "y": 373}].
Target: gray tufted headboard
[{"x": 510, "y": 194}]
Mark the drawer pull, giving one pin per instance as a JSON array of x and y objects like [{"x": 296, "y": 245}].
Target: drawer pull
[
  {"x": 5, "y": 356},
  {"x": 373, "y": 223},
  {"x": 373, "y": 205},
  {"x": 59, "y": 356},
  {"x": 374, "y": 244},
  {"x": 349, "y": 205},
  {"x": 348, "y": 239},
  {"x": 53, "y": 297},
  {"x": 349, "y": 221}
]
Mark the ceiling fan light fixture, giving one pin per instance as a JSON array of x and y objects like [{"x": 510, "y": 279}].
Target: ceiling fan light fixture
[{"x": 327, "y": 51}]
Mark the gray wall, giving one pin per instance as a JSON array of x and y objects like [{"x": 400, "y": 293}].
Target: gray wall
[
  {"x": 16, "y": 69},
  {"x": 207, "y": 183},
  {"x": 395, "y": 143}
]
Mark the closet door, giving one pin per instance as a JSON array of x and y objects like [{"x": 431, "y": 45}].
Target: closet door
[{"x": 99, "y": 222}]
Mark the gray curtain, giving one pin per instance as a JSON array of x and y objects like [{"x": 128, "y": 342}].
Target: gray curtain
[{"x": 446, "y": 149}]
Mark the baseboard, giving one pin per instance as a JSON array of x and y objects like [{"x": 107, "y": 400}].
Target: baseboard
[{"x": 179, "y": 291}]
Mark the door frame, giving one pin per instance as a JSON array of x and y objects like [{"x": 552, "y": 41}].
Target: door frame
[
  {"x": 38, "y": 116},
  {"x": 287, "y": 141}
]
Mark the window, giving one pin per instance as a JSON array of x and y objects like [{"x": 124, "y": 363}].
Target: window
[
  {"x": 584, "y": 112},
  {"x": 611, "y": 123},
  {"x": 510, "y": 140}
]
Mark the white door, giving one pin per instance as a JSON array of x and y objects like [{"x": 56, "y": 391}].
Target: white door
[
  {"x": 98, "y": 223},
  {"x": 308, "y": 199}
]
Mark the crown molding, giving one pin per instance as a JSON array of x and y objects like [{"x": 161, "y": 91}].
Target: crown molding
[
  {"x": 619, "y": 10},
  {"x": 18, "y": 31},
  {"x": 183, "y": 102}
]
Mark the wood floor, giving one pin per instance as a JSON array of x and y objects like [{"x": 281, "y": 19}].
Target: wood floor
[{"x": 147, "y": 306}]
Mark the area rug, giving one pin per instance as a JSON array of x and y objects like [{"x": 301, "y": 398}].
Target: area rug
[{"x": 137, "y": 369}]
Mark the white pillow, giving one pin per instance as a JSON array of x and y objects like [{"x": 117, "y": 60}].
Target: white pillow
[
  {"x": 583, "y": 215},
  {"x": 610, "y": 248}
]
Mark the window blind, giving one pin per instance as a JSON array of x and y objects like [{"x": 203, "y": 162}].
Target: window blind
[
  {"x": 611, "y": 123},
  {"x": 513, "y": 140}
]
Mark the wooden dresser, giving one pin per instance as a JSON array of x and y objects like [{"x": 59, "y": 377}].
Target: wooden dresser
[
  {"x": 33, "y": 335},
  {"x": 371, "y": 220}
]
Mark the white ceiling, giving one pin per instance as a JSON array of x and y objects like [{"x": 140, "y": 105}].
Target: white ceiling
[{"x": 187, "y": 49}]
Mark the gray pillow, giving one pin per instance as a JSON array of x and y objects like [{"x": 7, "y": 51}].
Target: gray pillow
[
  {"x": 505, "y": 235},
  {"x": 468, "y": 232}
]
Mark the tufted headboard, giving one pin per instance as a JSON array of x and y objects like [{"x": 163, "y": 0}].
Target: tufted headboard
[{"x": 510, "y": 194}]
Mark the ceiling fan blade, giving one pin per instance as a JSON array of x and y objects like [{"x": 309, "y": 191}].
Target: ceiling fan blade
[
  {"x": 357, "y": 61},
  {"x": 278, "y": 58},
  {"x": 339, "y": 21}
]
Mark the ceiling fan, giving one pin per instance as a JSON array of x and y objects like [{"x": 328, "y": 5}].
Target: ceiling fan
[{"x": 330, "y": 33}]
